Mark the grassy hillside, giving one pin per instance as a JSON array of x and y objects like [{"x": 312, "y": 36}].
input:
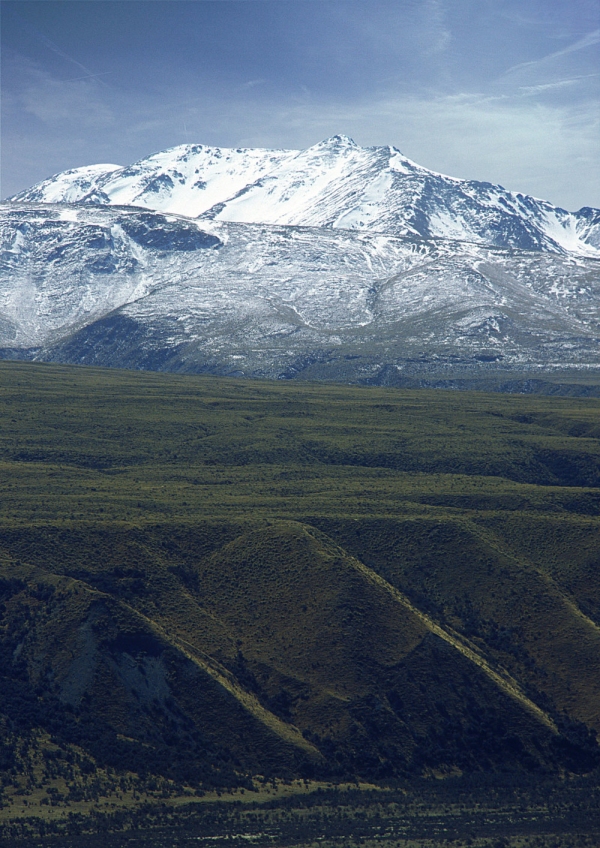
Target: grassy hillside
[{"x": 205, "y": 580}]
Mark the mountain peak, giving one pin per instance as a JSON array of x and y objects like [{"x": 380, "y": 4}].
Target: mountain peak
[
  {"x": 335, "y": 183},
  {"x": 338, "y": 141}
]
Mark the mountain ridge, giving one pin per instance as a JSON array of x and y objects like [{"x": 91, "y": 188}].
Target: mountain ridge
[{"x": 335, "y": 183}]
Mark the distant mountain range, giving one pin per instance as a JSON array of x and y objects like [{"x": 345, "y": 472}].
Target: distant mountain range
[{"x": 337, "y": 262}]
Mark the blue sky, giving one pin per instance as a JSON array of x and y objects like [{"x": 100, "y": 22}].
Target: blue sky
[{"x": 498, "y": 90}]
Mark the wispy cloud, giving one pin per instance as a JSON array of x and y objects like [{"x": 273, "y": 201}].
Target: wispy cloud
[
  {"x": 54, "y": 48},
  {"x": 253, "y": 83},
  {"x": 589, "y": 40},
  {"x": 88, "y": 76},
  {"x": 437, "y": 32},
  {"x": 56, "y": 101},
  {"x": 554, "y": 86}
]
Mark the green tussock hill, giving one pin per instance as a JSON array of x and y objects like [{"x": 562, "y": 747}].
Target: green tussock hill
[{"x": 207, "y": 580}]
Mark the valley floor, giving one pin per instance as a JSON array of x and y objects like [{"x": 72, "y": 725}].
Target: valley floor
[{"x": 419, "y": 814}]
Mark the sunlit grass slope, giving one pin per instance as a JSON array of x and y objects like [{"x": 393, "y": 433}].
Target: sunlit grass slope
[{"x": 204, "y": 579}]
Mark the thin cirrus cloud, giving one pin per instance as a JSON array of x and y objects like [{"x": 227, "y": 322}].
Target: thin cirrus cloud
[
  {"x": 576, "y": 65},
  {"x": 503, "y": 91},
  {"x": 553, "y": 86},
  {"x": 54, "y": 48},
  {"x": 56, "y": 102},
  {"x": 591, "y": 39}
]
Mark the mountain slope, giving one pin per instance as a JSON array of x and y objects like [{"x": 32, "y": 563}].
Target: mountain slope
[
  {"x": 125, "y": 287},
  {"x": 267, "y": 698},
  {"x": 333, "y": 184}
]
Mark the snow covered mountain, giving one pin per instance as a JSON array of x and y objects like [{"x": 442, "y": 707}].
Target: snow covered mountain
[
  {"x": 186, "y": 180},
  {"x": 336, "y": 262},
  {"x": 334, "y": 184},
  {"x": 126, "y": 287}
]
